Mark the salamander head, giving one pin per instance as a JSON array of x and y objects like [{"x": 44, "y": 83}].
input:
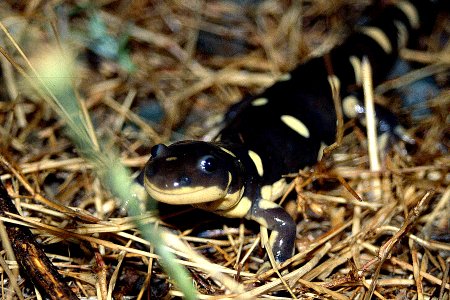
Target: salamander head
[{"x": 194, "y": 172}]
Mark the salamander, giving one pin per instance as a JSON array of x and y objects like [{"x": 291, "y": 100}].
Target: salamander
[{"x": 240, "y": 172}]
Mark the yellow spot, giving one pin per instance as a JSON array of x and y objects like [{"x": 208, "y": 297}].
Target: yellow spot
[
  {"x": 238, "y": 211},
  {"x": 274, "y": 191},
  {"x": 349, "y": 104},
  {"x": 378, "y": 36},
  {"x": 410, "y": 12},
  {"x": 285, "y": 77},
  {"x": 266, "y": 191},
  {"x": 266, "y": 204},
  {"x": 171, "y": 158},
  {"x": 227, "y": 151},
  {"x": 402, "y": 34},
  {"x": 356, "y": 64},
  {"x": 257, "y": 161},
  {"x": 278, "y": 188},
  {"x": 296, "y": 125},
  {"x": 260, "y": 102}
]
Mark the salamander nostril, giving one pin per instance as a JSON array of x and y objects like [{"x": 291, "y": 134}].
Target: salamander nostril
[{"x": 182, "y": 181}]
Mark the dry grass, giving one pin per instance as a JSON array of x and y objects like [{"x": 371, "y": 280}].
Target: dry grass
[{"x": 393, "y": 244}]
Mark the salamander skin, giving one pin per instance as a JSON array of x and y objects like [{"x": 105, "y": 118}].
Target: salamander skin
[{"x": 280, "y": 131}]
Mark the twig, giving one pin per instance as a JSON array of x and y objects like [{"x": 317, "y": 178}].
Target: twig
[{"x": 36, "y": 266}]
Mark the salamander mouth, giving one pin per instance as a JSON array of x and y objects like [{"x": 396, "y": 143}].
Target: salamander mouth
[{"x": 186, "y": 195}]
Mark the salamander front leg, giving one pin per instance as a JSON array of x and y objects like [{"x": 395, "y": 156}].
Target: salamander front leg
[{"x": 276, "y": 219}]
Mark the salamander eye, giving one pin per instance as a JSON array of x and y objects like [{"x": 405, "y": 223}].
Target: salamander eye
[
  {"x": 208, "y": 164},
  {"x": 158, "y": 150}
]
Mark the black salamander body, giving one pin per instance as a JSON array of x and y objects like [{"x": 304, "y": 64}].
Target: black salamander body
[{"x": 281, "y": 131}]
